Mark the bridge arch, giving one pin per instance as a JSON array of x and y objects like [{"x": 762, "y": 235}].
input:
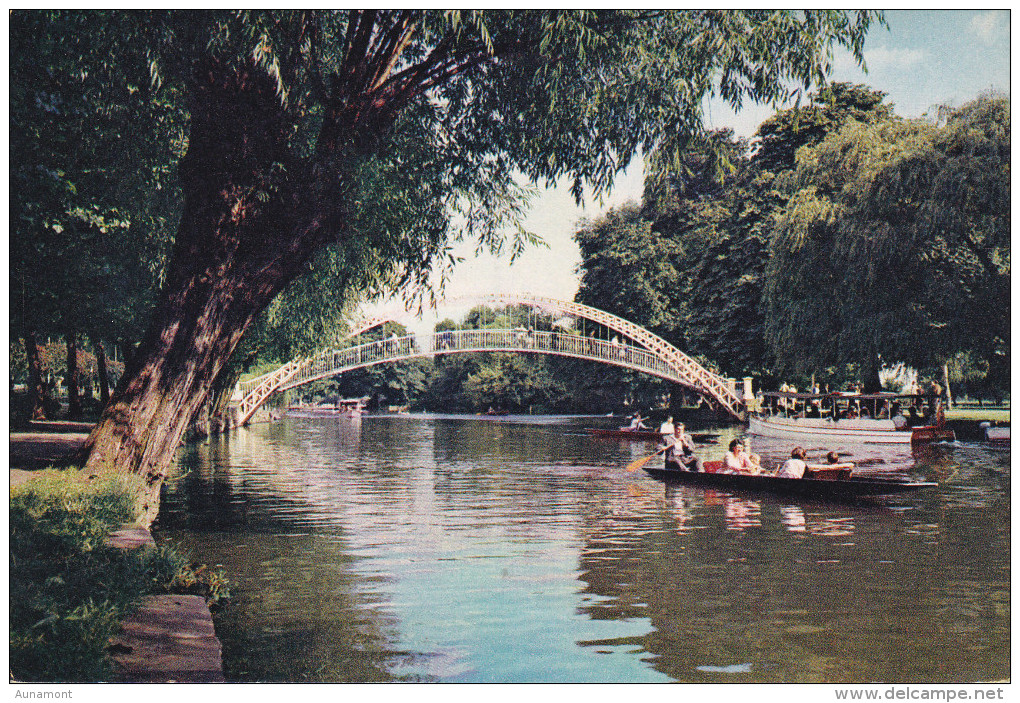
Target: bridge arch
[{"x": 639, "y": 350}]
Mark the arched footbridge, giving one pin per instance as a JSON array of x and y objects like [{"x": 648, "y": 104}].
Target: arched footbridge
[{"x": 632, "y": 347}]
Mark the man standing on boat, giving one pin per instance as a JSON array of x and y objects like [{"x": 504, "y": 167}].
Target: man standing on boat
[{"x": 680, "y": 454}]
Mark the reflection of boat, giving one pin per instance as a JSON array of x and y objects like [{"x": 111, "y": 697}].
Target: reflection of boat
[
  {"x": 344, "y": 407},
  {"x": 836, "y": 418},
  {"x": 824, "y": 485}
]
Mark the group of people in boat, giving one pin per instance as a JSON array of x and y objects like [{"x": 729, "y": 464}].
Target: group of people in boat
[
  {"x": 678, "y": 449},
  {"x": 910, "y": 409}
]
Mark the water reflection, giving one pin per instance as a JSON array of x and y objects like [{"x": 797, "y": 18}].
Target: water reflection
[{"x": 468, "y": 549}]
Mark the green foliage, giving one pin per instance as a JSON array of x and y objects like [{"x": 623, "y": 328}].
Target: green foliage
[
  {"x": 629, "y": 270},
  {"x": 92, "y": 162},
  {"x": 723, "y": 221},
  {"x": 69, "y": 593},
  {"x": 895, "y": 242}
]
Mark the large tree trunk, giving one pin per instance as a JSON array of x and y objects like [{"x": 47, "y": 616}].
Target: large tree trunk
[
  {"x": 234, "y": 252},
  {"x": 103, "y": 373},
  {"x": 36, "y": 387},
  {"x": 73, "y": 378}
]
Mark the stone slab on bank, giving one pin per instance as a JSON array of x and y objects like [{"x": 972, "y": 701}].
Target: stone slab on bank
[
  {"x": 38, "y": 450},
  {"x": 130, "y": 536},
  {"x": 168, "y": 639}
]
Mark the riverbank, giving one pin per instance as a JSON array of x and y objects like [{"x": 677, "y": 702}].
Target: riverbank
[{"x": 97, "y": 600}]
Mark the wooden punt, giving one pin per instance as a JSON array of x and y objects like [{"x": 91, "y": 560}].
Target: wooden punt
[
  {"x": 831, "y": 484},
  {"x": 647, "y": 435}
]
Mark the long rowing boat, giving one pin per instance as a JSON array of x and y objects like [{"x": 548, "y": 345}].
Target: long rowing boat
[
  {"x": 647, "y": 435},
  {"x": 623, "y": 433},
  {"x": 843, "y": 417},
  {"x": 828, "y": 488}
]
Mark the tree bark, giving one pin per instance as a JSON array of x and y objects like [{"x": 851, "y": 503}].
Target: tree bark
[
  {"x": 73, "y": 378},
  {"x": 234, "y": 252},
  {"x": 36, "y": 387},
  {"x": 103, "y": 373}
]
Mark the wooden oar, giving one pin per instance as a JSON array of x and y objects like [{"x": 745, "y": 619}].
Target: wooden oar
[{"x": 639, "y": 463}]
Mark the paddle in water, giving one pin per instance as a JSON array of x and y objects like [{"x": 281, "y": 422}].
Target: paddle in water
[{"x": 639, "y": 463}]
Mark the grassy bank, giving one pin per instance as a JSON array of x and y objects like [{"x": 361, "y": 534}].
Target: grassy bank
[
  {"x": 979, "y": 414},
  {"x": 69, "y": 592}
]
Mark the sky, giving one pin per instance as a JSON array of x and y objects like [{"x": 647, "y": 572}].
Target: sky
[{"x": 924, "y": 58}]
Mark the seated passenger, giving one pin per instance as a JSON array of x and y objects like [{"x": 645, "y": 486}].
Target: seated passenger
[
  {"x": 832, "y": 458},
  {"x": 795, "y": 466},
  {"x": 636, "y": 423},
  {"x": 751, "y": 462},
  {"x": 739, "y": 461},
  {"x": 679, "y": 449},
  {"x": 733, "y": 461}
]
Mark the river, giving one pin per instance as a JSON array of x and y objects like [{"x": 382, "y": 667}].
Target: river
[{"x": 518, "y": 549}]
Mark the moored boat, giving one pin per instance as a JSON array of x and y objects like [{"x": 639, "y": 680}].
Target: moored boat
[
  {"x": 997, "y": 435},
  {"x": 842, "y": 417},
  {"x": 344, "y": 407},
  {"x": 826, "y": 483}
]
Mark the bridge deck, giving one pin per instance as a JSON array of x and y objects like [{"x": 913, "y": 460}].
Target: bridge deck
[{"x": 337, "y": 361}]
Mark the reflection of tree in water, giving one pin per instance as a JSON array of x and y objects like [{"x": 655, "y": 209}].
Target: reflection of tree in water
[
  {"x": 801, "y": 592},
  {"x": 300, "y": 611}
]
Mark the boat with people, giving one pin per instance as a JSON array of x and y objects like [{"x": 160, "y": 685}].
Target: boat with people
[
  {"x": 822, "y": 481},
  {"x": 645, "y": 435},
  {"x": 625, "y": 433},
  {"x": 877, "y": 418},
  {"x": 343, "y": 407}
]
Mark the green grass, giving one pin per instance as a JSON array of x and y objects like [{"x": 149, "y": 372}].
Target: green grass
[
  {"x": 980, "y": 414},
  {"x": 69, "y": 593}
]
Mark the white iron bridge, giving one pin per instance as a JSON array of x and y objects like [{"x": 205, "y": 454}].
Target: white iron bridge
[{"x": 633, "y": 347}]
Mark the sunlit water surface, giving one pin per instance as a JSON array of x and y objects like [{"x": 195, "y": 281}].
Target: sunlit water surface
[{"x": 519, "y": 549}]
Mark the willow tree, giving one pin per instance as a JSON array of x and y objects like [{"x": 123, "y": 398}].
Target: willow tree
[
  {"x": 388, "y": 134},
  {"x": 895, "y": 246}
]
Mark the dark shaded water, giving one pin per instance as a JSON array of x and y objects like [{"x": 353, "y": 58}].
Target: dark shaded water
[{"x": 518, "y": 549}]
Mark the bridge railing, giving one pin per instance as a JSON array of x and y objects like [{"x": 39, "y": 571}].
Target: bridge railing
[{"x": 335, "y": 361}]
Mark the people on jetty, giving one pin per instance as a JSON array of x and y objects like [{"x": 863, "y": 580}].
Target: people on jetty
[
  {"x": 795, "y": 466},
  {"x": 679, "y": 449}
]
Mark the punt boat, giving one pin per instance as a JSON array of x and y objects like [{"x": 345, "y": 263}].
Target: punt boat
[
  {"x": 625, "y": 433},
  {"x": 819, "y": 482},
  {"x": 647, "y": 435},
  {"x": 840, "y": 417}
]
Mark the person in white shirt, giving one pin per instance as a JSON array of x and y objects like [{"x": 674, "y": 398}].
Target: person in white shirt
[
  {"x": 666, "y": 428},
  {"x": 795, "y": 466}
]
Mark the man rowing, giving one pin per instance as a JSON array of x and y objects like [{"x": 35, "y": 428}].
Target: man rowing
[{"x": 679, "y": 451}]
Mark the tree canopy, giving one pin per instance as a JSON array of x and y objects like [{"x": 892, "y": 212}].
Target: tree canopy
[
  {"x": 895, "y": 242},
  {"x": 387, "y": 135}
]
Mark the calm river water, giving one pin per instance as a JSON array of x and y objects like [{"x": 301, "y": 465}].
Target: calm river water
[{"x": 518, "y": 549}]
